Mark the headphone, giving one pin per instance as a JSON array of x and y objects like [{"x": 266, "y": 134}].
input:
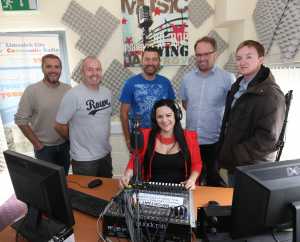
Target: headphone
[
  {"x": 169, "y": 103},
  {"x": 177, "y": 111}
]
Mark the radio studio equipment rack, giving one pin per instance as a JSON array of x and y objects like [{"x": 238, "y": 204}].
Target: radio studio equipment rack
[{"x": 166, "y": 212}]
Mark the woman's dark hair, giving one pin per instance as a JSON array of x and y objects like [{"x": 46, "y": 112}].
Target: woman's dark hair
[{"x": 178, "y": 134}]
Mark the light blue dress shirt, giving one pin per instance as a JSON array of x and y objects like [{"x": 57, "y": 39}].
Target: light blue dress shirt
[
  {"x": 205, "y": 95},
  {"x": 242, "y": 89}
]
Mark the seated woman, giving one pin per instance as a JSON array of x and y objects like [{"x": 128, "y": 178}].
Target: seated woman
[{"x": 169, "y": 154}]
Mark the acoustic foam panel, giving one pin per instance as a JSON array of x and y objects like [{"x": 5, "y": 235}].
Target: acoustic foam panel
[
  {"x": 266, "y": 17},
  {"x": 94, "y": 29},
  {"x": 231, "y": 65},
  {"x": 288, "y": 34},
  {"x": 221, "y": 44},
  {"x": 177, "y": 79},
  {"x": 114, "y": 79},
  {"x": 77, "y": 18},
  {"x": 76, "y": 74},
  {"x": 101, "y": 27},
  {"x": 199, "y": 11}
]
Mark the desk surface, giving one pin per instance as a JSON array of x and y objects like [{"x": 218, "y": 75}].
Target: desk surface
[{"x": 85, "y": 227}]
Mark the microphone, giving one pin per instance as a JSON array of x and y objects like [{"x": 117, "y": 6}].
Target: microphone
[
  {"x": 136, "y": 136},
  {"x": 144, "y": 20},
  {"x": 136, "y": 122}
]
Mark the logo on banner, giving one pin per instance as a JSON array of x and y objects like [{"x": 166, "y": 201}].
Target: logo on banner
[{"x": 163, "y": 24}]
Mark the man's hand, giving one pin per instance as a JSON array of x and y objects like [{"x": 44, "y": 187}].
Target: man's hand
[
  {"x": 124, "y": 110},
  {"x": 30, "y": 135},
  {"x": 38, "y": 146},
  {"x": 62, "y": 130},
  {"x": 128, "y": 144}
]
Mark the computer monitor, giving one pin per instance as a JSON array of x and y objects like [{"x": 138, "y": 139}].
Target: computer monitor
[
  {"x": 42, "y": 186},
  {"x": 262, "y": 197}
]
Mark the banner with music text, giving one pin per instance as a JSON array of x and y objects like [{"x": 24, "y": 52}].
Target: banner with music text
[{"x": 160, "y": 23}]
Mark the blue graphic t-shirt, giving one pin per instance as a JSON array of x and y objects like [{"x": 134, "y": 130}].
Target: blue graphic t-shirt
[{"x": 141, "y": 94}]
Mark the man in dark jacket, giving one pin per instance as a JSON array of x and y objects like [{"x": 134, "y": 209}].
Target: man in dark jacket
[{"x": 254, "y": 113}]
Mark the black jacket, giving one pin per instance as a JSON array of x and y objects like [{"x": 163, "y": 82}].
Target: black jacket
[{"x": 251, "y": 128}]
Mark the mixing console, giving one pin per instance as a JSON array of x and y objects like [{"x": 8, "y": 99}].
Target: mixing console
[{"x": 163, "y": 208}]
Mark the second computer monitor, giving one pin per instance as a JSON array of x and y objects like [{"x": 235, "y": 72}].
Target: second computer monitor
[
  {"x": 42, "y": 186},
  {"x": 262, "y": 197}
]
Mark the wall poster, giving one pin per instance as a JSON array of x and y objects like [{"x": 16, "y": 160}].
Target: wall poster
[
  {"x": 160, "y": 23},
  {"x": 20, "y": 65}
]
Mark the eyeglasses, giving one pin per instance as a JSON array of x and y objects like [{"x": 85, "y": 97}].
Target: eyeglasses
[{"x": 204, "y": 54}]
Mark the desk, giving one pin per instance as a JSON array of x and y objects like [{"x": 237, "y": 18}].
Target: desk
[{"x": 85, "y": 226}]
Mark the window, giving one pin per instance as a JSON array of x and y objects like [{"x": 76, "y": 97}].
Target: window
[{"x": 288, "y": 78}]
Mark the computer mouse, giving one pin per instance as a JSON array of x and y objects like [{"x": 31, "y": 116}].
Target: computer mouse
[
  {"x": 95, "y": 183},
  {"x": 213, "y": 203}
]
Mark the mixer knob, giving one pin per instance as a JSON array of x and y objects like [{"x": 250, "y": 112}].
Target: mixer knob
[
  {"x": 176, "y": 212},
  {"x": 181, "y": 212}
]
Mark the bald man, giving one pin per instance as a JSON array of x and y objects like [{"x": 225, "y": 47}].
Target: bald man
[{"x": 84, "y": 117}]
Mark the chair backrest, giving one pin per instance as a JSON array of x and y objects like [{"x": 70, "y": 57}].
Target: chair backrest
[{"x": 280, "y": 143}]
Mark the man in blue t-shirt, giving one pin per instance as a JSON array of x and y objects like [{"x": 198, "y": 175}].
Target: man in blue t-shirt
[{"x": 141, "y": 91}]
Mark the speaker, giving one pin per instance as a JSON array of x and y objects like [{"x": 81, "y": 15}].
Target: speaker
[{"x": 213, "y": 220}]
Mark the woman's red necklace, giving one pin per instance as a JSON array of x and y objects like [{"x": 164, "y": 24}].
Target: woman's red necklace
[{"x": 166, "y": 140}]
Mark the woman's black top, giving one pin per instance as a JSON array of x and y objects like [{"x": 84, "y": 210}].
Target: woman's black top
[{"x": 168, "y": 168}]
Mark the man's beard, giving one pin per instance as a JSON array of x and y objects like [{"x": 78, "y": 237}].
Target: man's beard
[
  {"x": 52, "y": 80},
  {"x": 152, "y": 71}
]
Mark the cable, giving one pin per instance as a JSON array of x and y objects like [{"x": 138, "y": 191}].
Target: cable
[
  {"x": 148, "y": 233},
  {"x": 100, "y": 235},
  {"x": 167, "y": 223},
  {"x": 274, "y": 236},
  {"x": 129, "y": 215},
  {"x": 20, "y": 236},
  {"x": 17, "y": 236}
]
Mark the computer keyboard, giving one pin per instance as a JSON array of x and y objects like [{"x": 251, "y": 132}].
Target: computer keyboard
[{"x": 86, "y": 203}]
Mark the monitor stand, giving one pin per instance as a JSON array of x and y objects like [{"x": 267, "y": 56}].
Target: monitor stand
[
  {"x": 296, "y": 220},
  {"x": 219, "y": 217},
  {"x": 37, "y": 228}
]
